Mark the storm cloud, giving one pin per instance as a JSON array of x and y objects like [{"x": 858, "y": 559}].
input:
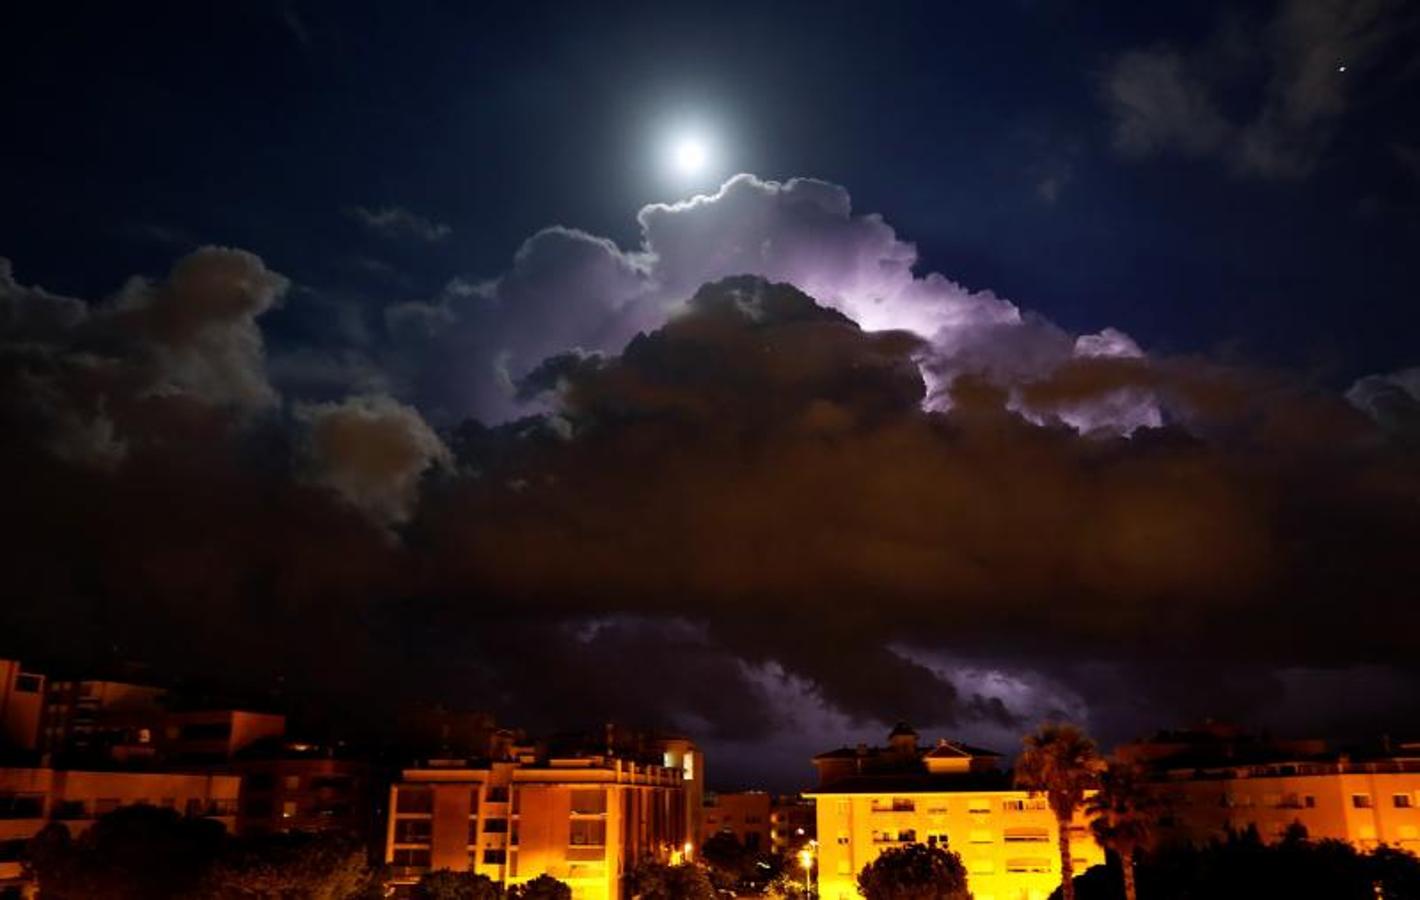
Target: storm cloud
[{"x": 758, "y": 457}]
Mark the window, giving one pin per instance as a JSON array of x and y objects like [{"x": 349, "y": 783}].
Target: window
[
  {"x": 26, "y": 683},
  {"x": 498, "y": 795},
  {"x": 21, "y": 806},
  {"x": 1034, "y": 864},
  {"x": 588, "y": 832},
  {"x": 194, "y": 806},
  {"x": 588, "y": 803},
  {"x": 1027, "y": 836},
  {"x": 291, "y": 782},
  {"x": 494, "y": 857},
  {"x": 206, "y": 731},
  {"x": 288, "y": 809},
  {"x": 1361, "y": 801},
  {"x": 1402, "y": 801},
  {"x": 495, "y": 826},
  {"x": 896, "y": 804},
  {"x": 13, "y": 850},
  {"x": 981, "y": 836},
  {"x": 979, "y": 805},
  {"x": 256, "y": 808},
  {"x": 1029, "y": 805},
  {"x": 410, "y": 857},
  {"x": 982, "y": 865},
  {"x": 413, "y": 831},
  {"x": 260, "y": 781},
  {"x": 414, "y": 800},
  {"x": 1309, "y": 801}
]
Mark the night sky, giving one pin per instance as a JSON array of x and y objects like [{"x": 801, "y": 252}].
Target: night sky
[{"x": 768, "y": 371}]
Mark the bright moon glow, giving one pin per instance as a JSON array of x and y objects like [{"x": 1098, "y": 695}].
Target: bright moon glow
[{"x": 690, "y": 155}]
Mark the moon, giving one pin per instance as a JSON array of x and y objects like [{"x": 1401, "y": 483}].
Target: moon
[{"x": 690, "y": 155}]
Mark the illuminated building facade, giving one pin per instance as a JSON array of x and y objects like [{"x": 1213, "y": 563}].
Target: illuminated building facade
[
  {"x": 31, "y": 798},
  {"x": 870, "y": 799},
  {"x": 586, "y": 819},
  {"x": 1216, "y": 778}
]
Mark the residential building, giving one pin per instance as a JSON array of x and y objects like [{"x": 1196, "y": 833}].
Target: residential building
[
  {"x": 216, "y": 735},
  {"x": 583, "y": 817},
  {"x": 948, "y": 793},
  {"x": 792, "y": 824},
  {"x": 21, "y": 707},
  {"x": 293, "y": 786},
  {"x": 89, "y": 722},
  {"x": 745, "y": 814},
  {"x": 1216, "y": 778},
  {"x": 30, "y": 798}
]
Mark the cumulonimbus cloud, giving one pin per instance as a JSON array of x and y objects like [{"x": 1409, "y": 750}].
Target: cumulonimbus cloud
[{"x": 462, "y": 353}]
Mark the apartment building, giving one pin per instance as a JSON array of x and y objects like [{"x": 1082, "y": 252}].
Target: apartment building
[
  {"x": 872, "y": 798},
  {"x": 792, "y": 824},
  {"x": 744, "y": 814},
  {"x": 21, "y": 708},
  {"x": 584, "y": 818},
  {"x": 91, "y": 721},
  {"x": 293, "y": 786},
  {"x": 31, "y": 798},
  {"x": 1217, "y": 777}
]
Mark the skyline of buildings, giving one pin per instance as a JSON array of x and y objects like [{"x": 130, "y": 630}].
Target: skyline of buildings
[{"x": 454, "y": 790}]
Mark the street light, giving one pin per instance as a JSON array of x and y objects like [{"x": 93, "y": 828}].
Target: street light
[{"x": 806, "y": 859}]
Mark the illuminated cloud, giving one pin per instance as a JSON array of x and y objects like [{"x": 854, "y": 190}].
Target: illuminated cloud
[
  {"x": 568, "y": 290},
  {"x": 372, "y": 451}
]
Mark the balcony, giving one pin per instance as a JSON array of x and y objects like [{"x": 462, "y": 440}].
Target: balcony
[{"x": 897, "y": 804}]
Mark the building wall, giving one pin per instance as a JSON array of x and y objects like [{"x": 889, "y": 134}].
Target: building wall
[
  {"x": 583, "y": 825},
  {"x": 310, "y": 794},
  {"x": 216, "y": 735},
  {"x": 21, "y": 705},
  {"x": 745, "y": 815},
  {"x": 77, "y": 798},
  {"x": 792, "y": 823},
  {"x": 1006, "y": 839},
  {"x": 1362, "y": 808}
]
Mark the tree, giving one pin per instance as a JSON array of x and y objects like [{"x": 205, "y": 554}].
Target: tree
[
  {"x": 308, "y": 866},
  {"x": 653, "y": 880},
  {"x": 1124, "y": 813},
  {"x": 543, "y": 887},
  {"x": 136, "y": 852},
  {"x": 914, "y": 872},
  {"x": 446, "y": 884},
  {"x": 725, "y": 857},
  {"x": 1060, "y": 761}
]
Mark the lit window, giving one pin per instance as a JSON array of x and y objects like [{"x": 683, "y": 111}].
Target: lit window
[
  {"x": 288, "y": 809},
  {"x": 291, "y": 782}
]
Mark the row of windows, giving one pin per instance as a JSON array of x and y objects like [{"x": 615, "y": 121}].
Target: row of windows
[
  {"x": 421, "y": 800},
  {"x": 974, "y": 805},
  {"x": 977, "y": 836},
  {"x": 31, "y": 806},
  {"x": 581, "y": 832}
]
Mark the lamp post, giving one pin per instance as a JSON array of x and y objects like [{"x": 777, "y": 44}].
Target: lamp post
[{"x": 806, "y": 859}]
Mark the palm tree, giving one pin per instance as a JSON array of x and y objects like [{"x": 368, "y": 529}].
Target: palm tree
[
  {"x": 1060, "y": 761},
  {"x": 1124, "y": 813}
]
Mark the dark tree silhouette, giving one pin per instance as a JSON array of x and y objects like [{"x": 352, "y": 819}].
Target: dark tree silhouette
[
  {"x": 446, "y": 884},
  {"x": 1124, "y": 813},
  {"x": 915, "y": 872},
  {"x": 1060, "y": 761},
  {"x": 543, "y": 887},
  {"x": 652, "y": 880}
]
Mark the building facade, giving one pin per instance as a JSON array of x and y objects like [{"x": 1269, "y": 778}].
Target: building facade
[
  {"x": 31, "y": 798},
  {"x": 1216, "y": 778},
  {"x": 298, "y": 787},
  {"x": 951, "y": 794},
  {"x": 744, "y": 814},
  {"x": 586, "y": 820},
  {"x": 792, "y": 824},
  {"x": 21, "y": 708}
]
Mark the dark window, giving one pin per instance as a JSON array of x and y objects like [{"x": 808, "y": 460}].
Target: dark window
[
  {"x": 70, "y": 809},
  {"x": 330, "y": 782},
  {"x": 586, "y": 802},
  {"x": 21, "y": 806},
  {"x": 224, "y": 807},
  {"x": 257, "y": 808},
  {"x": 411, "y": 857},
  {"x": 588, "y": 832},
  {"x": 495, "y": 857},
  {"x": 28, "y": 684},
  {"x": 498, "y": 795},
  {"x": 13, "y": 850},
  {"x": 206, "y": 731},
  {"x": 261, "y": 781},
  {"x": 412, "y": 831},
  {"x": 414, "y": 800},
  {"x": 495, "y": 826}
]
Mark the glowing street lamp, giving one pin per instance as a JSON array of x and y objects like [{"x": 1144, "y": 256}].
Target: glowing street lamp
[{"x": 806, "y": 859}]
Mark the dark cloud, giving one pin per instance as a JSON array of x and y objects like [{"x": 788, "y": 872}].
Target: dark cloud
[
  {"x": 1312, "y": 53},
  {"x": 752, "y": 517},
  {"x": 396, "y": 221}
]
